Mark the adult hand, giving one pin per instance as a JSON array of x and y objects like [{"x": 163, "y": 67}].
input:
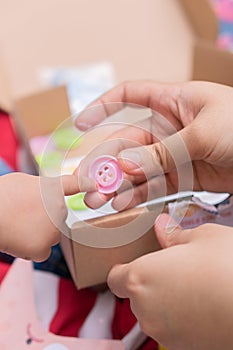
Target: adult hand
[
  {"x": 183, "y": 294},
  {"x": 200, "y": 115},
  {"x": 33, "y": 212}
]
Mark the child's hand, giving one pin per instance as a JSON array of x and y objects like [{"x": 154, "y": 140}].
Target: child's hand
[
  {"x": 199, "y": 113},
  {"x": 33, "y": 212},
  {"x": 183, "y": 295}
]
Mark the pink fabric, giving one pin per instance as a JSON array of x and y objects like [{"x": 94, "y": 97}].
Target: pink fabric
[{"x": 19, "y": 317}]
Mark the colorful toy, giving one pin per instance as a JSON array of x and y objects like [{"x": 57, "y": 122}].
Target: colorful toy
[
  {"x": 76, "y": 202},
  {"x": 67, "y": 138},
  {"x": 224, "y": 12}
]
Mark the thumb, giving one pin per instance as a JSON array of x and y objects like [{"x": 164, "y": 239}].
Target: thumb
[
  {"x": 169, "y": 232},
  {"x": 118, "y": 280},
  {"x": 158, "y": 158},
  {"x": 73, "y": 184}
]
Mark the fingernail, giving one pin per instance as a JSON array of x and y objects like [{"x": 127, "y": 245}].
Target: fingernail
[
  {"x": 82, "y": 125},
  {"x": 131, "y": 159},
  {"x": 166, "y": 223}
]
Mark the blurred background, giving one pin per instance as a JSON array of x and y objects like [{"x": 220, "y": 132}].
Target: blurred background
[
  {"x": 92, "y": 45},
  {"x": 149, "y": 39}
]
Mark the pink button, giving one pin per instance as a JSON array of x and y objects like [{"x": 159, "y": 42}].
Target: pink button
[{"x": 107, "y": 174}]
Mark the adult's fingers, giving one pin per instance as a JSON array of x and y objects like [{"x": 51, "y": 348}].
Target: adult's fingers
[
  {"x": 160, "y": 157},
  {"x": 141, "y": 93},
  {"x": 169, "y": 232},
  {"x": 154, "y": 188},
  {"x": 118, "y": 280},
  {"x": 72, "y": 184}
]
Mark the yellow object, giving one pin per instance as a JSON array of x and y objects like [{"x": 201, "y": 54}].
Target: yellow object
[
  {"x": 67, "y": 138},
  {"x": 161, "y": 347},
  {"x": 76, "y": 202}
]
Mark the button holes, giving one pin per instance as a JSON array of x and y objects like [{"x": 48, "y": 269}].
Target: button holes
[
  {"x": 106, "y": 168},
  {"x": 100, "y": 173},
  {"x": 105, "y": 179}
]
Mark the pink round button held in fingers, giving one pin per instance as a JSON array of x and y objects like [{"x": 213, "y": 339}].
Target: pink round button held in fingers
[{"x": 106, "y": 172}]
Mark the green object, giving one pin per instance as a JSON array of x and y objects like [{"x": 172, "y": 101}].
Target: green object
[
  {"x": 49, "y": 160},
  {"x": 67, "y": 138},
  {"x": 76, "y": 202}
]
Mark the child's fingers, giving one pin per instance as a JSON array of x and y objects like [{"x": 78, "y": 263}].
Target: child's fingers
[{"x": 73, "y": 184}]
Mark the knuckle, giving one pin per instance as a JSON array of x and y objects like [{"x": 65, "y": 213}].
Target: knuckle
[
  {"x": 134, "y": 281},
  {"x": 125, "y": 86},
  {"x": 170, "y": 239},
  {"x": 44, "y": 255},
  {"x": 39, "y": 249},
  {"x": 161, "y": 157},
  {"x": 145, "y": 327},
  {"x": 142, "y": 194},
  {"x": 195, "y": 131},
  {"x": 125, "y": 83}
]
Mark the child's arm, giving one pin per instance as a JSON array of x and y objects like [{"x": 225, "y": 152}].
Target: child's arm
[{"x": 33, "y": 212}]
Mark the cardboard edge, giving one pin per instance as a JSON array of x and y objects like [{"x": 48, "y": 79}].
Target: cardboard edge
[
  {"x": 68, "y": 251},
  {"x": 26, "y": 161},
  {"x": 202, "y": 17},
  {"x": 42, "y": 112},
  {"x": 212, "y": 64}
]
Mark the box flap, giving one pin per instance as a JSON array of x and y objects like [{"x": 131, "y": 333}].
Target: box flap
[
  {"x": 202, "y": 17},
  {"x": 42, "y": 112},
  {"x": 212, "y": 64}
]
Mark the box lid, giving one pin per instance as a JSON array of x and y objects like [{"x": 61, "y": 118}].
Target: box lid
[
  {"x": 42, "y": 112},
  {"x": 202, "y": 17},
  {"x": 212, "y": 64}
]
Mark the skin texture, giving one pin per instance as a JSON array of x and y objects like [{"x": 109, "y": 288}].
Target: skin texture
[
  {"x": 33, "y": 212},
  {"x": 183, "y": 294},
  {"x": 200, "y": 112}
]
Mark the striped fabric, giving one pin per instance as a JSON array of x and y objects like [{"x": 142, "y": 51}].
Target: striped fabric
[{"x": 65, "y": 311}]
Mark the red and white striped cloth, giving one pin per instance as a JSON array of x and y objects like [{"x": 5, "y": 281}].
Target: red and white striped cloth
[{"x": 66, "y": 311}]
